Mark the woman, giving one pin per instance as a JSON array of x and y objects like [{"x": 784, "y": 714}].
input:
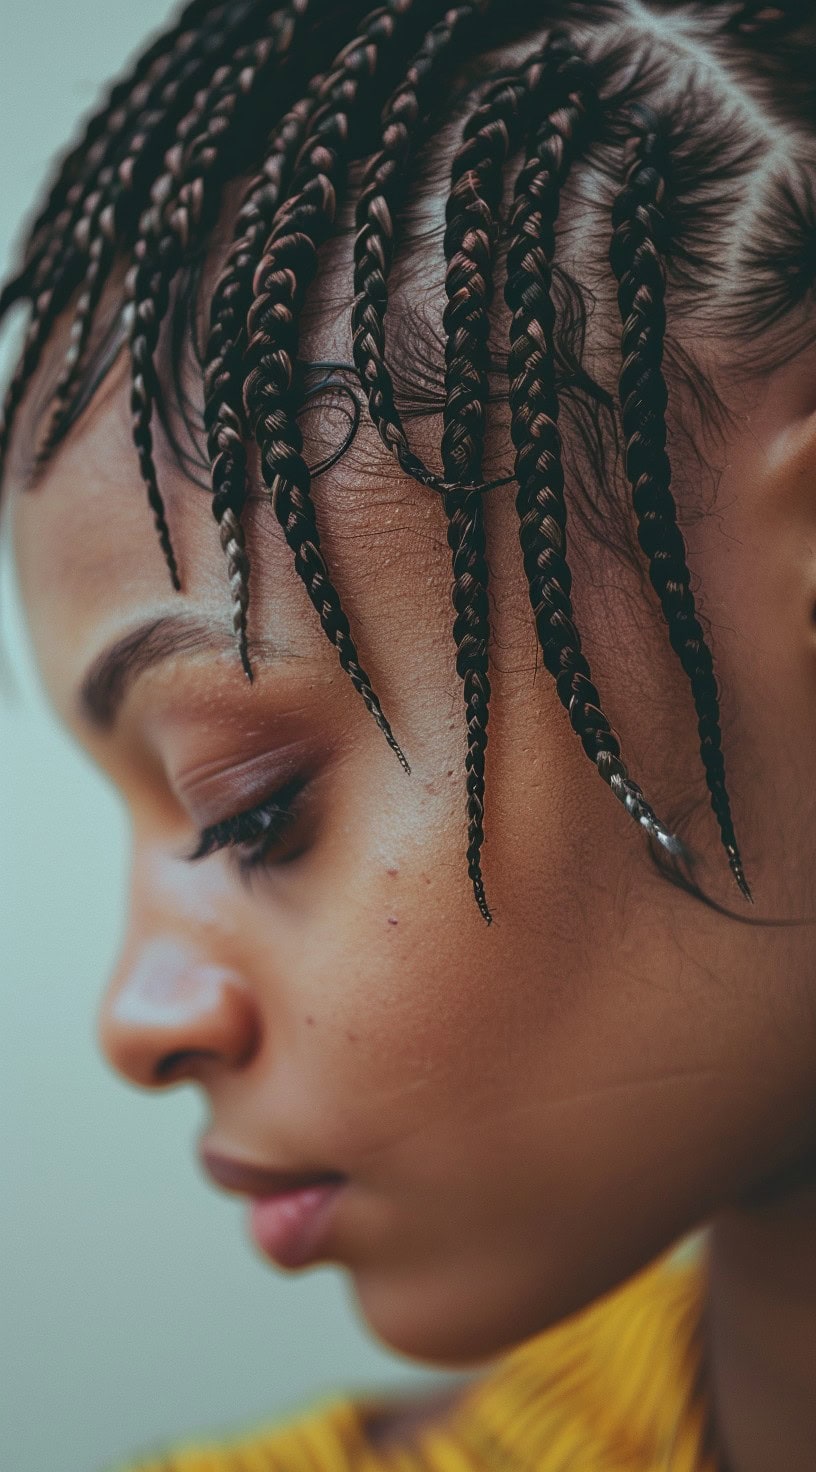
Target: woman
[{"x": 481, "y": 1042}]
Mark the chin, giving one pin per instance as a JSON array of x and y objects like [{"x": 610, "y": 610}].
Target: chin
[{"x": 430, "y": 1323}]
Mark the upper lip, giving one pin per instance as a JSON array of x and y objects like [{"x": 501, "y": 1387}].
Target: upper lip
[{"x": 257, "y": 1180}]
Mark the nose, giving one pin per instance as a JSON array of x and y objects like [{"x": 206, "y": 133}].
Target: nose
[{"x": 172, "y": 1013}]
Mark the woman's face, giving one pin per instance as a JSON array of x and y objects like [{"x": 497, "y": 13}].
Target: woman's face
[{"x": 522, "y": 1115}]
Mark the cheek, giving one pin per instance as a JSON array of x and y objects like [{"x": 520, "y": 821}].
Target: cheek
[{"x": 394, "y": 1015}]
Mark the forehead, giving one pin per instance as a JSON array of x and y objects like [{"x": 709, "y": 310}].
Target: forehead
[
  {"x": 90, "y": 566},
  {"x": 87, "y": 552}
]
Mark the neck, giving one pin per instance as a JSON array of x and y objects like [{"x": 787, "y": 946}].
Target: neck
[{"x": 761, "y": 1331}]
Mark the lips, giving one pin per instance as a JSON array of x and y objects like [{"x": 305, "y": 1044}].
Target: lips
[
  {"x": 255, "y": 1180},
  {"x": 291, "y": 1210},
  {"x": 291, "y": 1229}
]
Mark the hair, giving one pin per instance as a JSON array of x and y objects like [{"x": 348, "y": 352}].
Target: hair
[{"x": 694, "y": 159}]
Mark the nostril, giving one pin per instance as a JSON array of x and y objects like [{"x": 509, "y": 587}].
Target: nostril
[{"x": 177, "y": 1064}]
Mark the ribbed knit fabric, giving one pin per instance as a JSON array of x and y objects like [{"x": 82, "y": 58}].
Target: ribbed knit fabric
[{"x": 616, "y": 1388}]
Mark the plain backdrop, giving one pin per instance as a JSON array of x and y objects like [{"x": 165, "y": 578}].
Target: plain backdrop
[{"x": 133, "y": 1310}]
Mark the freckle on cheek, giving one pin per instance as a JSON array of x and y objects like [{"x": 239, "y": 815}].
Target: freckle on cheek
[
  {"x": 353, "y": 1037},
  {"x": 310, "y": 1021}
]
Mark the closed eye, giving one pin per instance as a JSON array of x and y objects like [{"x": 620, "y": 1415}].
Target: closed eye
[{"x": 256, "y": 833}]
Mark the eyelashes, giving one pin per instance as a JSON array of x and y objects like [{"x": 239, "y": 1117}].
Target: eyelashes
[{"x": 255, "y": 834}]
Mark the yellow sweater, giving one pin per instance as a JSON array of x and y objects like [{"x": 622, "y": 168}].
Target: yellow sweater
[{"x": 616, "y": 1388}]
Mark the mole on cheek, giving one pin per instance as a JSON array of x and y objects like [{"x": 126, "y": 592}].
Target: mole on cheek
[{"x": 392, "y": 920}]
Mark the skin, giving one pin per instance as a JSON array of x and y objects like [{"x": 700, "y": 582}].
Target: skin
[{"x": 529, "y": 1113}]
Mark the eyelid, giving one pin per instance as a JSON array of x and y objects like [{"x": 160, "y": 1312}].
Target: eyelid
[
  {"x": 222, "y": 787},
  {"x": 225, "y": 832}
]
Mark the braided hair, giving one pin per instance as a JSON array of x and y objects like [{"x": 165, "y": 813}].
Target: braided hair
[{"x": 285, "y": 95}]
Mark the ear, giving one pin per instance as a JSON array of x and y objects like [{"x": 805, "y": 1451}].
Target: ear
[
  {"x": 783, "y": 426},
  {"x": 755, "y": 554},
  {"x": 754, "y": 569}
]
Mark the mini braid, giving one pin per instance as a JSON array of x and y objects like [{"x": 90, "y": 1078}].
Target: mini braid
[
  {"x": 271, "y": 395},
  {"x": 381, "y": 192},
  {"x": 637, "y": 259},
  {"x": 552, "y": 147},
  {"x": 492, "y": 132},
  {"x": 100, "y": 132},
  {"x": 99, "y": 216},
  {"x": 104, "y": 239},
  {"x": 176, "y": 214},
  {"x": 471, "y": 633},
  {"x": 66, "y": 255},
  {"x": 223, "y": 407},
  {"x": 149, "y": 110}
]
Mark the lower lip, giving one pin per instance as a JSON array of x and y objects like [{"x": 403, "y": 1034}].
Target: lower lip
[{"x": 290, "y": 1228}]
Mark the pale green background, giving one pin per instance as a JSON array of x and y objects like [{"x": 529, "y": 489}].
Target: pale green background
[{"x": 132, "y": 1308}]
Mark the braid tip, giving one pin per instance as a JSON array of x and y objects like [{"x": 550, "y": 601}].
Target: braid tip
[
  {"x": 631, "y": 796},
  {"x": 395, "y": 747},
  {"x": 376, "y": 710},
  {"x": 166, "y": 544},
  {"x": 479, "y": 893},
  {"x": 54, "y": 433},
  {"x": 735, "y": 865},
  {"x": 243, "y": 652}
]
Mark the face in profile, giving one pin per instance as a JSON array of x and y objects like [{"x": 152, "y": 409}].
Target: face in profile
[{"x": 487, "y": 1126}]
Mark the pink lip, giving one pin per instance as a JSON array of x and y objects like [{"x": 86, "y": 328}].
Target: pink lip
[{"x": 291, "y": 1226}]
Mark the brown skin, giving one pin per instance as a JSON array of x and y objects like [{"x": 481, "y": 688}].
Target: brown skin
[{"x": 528, "y": 1113}]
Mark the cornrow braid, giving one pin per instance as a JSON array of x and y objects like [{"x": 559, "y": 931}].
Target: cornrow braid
[
  {"x": 471, "y": 633},
  {"x": 491, "y": 133},
  {"x": 552, "y": 146},
  {"x": 99, "y": 218},
  {"x": 65, "y": 254},
  {"x": 223, "y": 374},
  {"x": 176, "y": 215},
  {"x": 272, "y": 395},
  {"x": 637, "y": 257},
  {"x": 103, "y": 236},
  {"x": 380, "y": 194}
]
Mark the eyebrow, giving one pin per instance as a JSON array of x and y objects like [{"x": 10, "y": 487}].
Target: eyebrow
[{"x": 153, "y": 642}]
